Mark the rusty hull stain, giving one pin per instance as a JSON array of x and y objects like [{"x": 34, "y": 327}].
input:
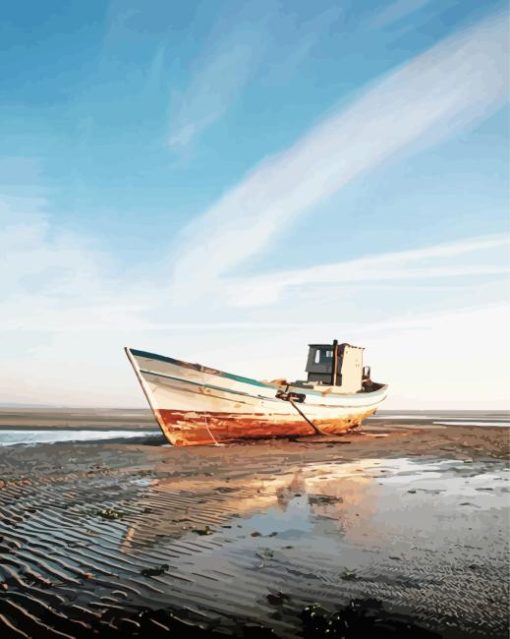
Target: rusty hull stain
[{"x": 187, "y": 428}]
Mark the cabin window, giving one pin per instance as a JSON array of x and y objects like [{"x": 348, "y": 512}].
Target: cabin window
[
  {"x": 329, "y": 353},
  {"x": 317, "y": 356}
]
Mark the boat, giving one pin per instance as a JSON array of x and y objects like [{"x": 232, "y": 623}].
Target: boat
[{"x": 197, "y": 405}]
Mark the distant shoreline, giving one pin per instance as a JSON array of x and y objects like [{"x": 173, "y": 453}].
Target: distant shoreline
[
  {"x": 73, "y": 419},
  {"x": 101, "y": 410},
  {"x": 143, "y": 419}
]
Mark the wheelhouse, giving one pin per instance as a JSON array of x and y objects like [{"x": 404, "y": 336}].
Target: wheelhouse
[{"x": 337, "y": 365}]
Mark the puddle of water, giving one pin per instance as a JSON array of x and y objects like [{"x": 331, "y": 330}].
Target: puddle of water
[
  {"x": 293, "y": 521},
  {"x": 371, "y": 501},
  {"x": 501, "y": 424},
  {"x": 55, "y": 435},
  {"x": 404, "y": 531},
  {"x": 143, "y": 481},
  {"x": 376, "y": 503}
]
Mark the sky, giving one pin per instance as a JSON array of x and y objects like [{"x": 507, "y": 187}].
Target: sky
[{"x": 226, "y": 182}]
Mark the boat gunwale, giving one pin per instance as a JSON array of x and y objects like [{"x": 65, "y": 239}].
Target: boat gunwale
[{"x": 260, "y": 397}]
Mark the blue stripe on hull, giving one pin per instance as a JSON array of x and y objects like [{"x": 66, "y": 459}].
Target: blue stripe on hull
[{"x": 200, "y": 368}]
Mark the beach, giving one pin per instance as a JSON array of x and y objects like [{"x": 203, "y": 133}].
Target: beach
[{"x": 400, "y": 529}]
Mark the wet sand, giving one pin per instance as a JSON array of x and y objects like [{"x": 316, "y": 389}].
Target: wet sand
[
  {"x": 83, "y": 418},
  {"x": 402, "y": 528}
]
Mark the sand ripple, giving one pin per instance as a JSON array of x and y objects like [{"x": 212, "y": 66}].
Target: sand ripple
[{"x": 103, "y": 540}]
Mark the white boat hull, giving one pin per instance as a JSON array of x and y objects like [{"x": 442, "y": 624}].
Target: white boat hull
[{"x": 194, "y": 404}]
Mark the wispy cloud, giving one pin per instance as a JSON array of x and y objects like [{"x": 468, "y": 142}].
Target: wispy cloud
[
  {"x": 233, "y": 57},
  {"x": 485, "y": 256},
  {"x": 397, "y": 11},
  {"x": 55, "y": 280},
  {"x": 457, "y": 82},
  {"x": 219, "y": 77},
  {"x": 66, "y": 311}
]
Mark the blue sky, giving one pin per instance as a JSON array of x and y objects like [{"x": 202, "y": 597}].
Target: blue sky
[{"x": 205, "y": 179}]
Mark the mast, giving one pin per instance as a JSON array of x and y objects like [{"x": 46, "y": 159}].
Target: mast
[{"x": 335, "y": 363}]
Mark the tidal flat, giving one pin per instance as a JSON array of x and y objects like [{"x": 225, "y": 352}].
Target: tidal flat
[{"x": 400, "y": 529}]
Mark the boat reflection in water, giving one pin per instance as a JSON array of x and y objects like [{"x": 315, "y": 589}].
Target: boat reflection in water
[{"x": 203, "y": 506}]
